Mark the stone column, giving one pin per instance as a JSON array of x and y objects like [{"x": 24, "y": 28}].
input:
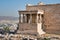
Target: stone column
[
  {"x": 25, "y": 18},
  {"x": 40, "y": 18},
  {"x": 31, "y": 18},
  {"x": 21, "y": 18},
  {"x": 37, "y": 18},
  {"x": 30, "y": 21}
]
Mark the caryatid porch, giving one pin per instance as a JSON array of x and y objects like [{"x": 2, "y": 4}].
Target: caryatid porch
[{"x": 30, "y": 22}]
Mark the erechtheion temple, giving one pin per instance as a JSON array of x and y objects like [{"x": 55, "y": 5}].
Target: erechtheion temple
[{"x": 40, "y": 19}]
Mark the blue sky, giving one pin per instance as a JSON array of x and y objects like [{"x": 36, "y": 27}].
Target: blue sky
[{"x": 11, "y": 7}]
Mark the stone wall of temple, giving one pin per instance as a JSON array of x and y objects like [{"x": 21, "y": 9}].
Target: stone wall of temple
[
  {"x": 52, "y": 19},
  {"x": 28, "y": 28},
  {"x": 51, "y": 23}
]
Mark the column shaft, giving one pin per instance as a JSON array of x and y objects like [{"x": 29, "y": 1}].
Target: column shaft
[
  {"x": 37, "y": 18},
  {"x": 25, "y": 18},
  {"x": 40, "y": 18},
  {"x": 30, "y": 18},
  {"x": 21, "y": 18}
]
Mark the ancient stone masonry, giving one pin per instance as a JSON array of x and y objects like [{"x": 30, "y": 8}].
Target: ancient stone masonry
[
  {"x": 51, "y": 17},
  {"x": 40, "y": 19}
]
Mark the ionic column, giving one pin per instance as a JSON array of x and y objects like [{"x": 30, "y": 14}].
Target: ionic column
[
  {"x": 25, "y": 18},
  {"x": 37, "y": 18},
  {"x": 21, "y": 18},
  {"x": 40, "y": 18},
  {"x": 30, "y": 18}
]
